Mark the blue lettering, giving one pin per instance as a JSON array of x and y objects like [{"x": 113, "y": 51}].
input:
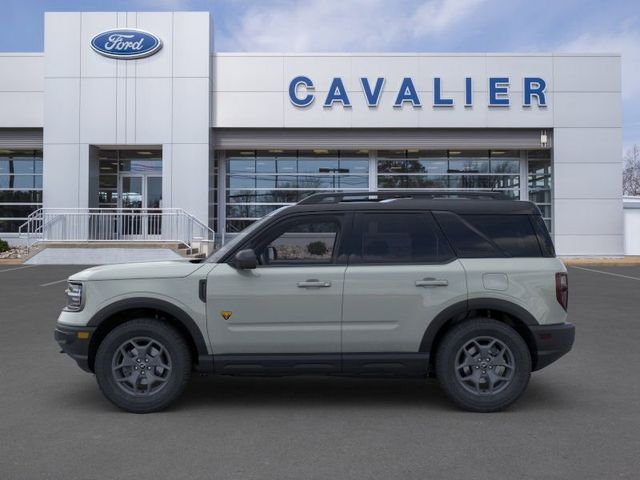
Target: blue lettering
[
  {"x": 498, "y": 88},
  {"x": 438, "y": 101},
  {"x": 372, "y": 97},
  {"x": 302, "y": 92},
  {"x": 293, "y": 91},
  {"x": 534, "y": 87},
  {"x": 337, "y": 93},
  {"x": 468, "y": 92},
  {"x": 407, "y": 93}
]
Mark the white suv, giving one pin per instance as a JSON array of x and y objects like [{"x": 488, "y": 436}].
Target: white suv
[{"x": 461, "y": 286}]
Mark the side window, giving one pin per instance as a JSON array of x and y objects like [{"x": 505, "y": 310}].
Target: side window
[
  {"x": 482, "y": 236},
  {"x": 544, "y": 239},
  {"x": 398, "y": 238},
  {"x": 467, "y": 241},
  {"x": 513, "y": 234},
  {"x": 306, "y": 240}
]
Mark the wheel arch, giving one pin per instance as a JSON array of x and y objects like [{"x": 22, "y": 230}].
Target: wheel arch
[
  {"x": 123, "y": 310},
  {"x": 502, "y": 310}
]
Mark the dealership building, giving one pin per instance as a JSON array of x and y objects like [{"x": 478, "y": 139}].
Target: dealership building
[{"x": 136, "y": 112}]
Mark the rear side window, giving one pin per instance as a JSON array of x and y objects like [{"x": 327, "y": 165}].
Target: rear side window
[
  {"x": 544, "y": 239},
  {"x": 482, "y": 236},
  {"x": 513, "y": 234},
  {"x": 395, "y": 238},
  {"x": 466, "y": 240}
]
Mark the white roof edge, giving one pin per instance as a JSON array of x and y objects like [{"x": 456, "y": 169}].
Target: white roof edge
[{"x": 410, "y": 54}]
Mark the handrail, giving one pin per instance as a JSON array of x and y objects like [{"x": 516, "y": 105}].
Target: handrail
[{"x": 114, "y": 225}]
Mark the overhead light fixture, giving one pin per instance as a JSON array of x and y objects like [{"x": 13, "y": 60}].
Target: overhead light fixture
[
  {"x": 145, "y": 153},
  {"x": 246, "y": 153},
  {"x": 321, "y": 151},
  {"x": 363, "y": 151},
  {"x": 543, "y": 138},
  {"x": 276, "y": 151},
  {"x": 454, "y": 152},
  {"x": 4, "y": 152},
  {"x": 413, "y": 150}
]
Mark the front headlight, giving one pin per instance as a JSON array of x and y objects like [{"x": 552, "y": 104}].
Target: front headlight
[{"x": 74, "y": 297}]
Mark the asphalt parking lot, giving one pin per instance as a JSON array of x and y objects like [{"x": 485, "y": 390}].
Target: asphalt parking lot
[{"x": 580, "y": 417}]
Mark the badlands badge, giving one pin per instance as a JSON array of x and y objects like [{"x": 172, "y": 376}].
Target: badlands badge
[{"x": 226, "y": 314}]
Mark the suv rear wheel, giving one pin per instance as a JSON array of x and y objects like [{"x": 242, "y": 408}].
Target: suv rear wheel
[
  {"x": 483, "y": 365},
  {"x": 143, "y": 365}
]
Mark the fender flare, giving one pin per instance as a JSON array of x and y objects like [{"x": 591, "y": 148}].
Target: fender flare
[
  {"x": 464, "y": 307},
  {"x": 154, "y": 304}
]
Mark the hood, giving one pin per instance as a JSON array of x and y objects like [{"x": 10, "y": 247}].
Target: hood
[{"x": 132, "y": 271}]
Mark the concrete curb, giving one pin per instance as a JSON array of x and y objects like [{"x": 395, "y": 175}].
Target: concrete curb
[{"x": 629, "y": 261}]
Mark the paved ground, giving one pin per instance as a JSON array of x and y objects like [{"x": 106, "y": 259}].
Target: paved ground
[{"x": 580, "y": 418}]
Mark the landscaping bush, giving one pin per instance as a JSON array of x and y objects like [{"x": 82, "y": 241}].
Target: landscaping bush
[
  {"x": 317, "y": 248},
  {"x": 4, "y": 246}
]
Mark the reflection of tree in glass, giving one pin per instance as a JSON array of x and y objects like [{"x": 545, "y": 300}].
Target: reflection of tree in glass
[
  {"x": 317, "y": 248},
  {"x": 400, "y": 166}
]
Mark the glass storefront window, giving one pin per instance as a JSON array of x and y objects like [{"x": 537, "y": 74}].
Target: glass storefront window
[
  {"x": 20, "y": 187},
  {"x": 540, "y": 182},
  {"x": 450, "y": 169},
  {"x": 260, "y": 181}
]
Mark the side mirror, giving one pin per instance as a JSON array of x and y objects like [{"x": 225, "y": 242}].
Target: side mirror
[{"x": 246, "y": 260}]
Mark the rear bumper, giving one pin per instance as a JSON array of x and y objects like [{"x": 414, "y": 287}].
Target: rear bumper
[
  {"x": 552, "y": 342},
  {"x": 74, "y": 345}
]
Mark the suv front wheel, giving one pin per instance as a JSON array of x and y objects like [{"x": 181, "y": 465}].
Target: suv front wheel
[
  {"x": 143, "y": 365},
  {"x": 483, "y": 365}
]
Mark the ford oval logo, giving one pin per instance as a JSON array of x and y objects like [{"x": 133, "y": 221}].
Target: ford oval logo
[{"x": 126, "y": 43}]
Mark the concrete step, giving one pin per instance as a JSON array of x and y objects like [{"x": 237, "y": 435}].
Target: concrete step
[
  {"x": 99, "y": 253},
  {"x": 115, "y": 244}
]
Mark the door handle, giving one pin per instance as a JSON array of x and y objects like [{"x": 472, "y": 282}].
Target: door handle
[
  {"x": 432, "y": 282},
  {"x": 313, "y": 283}
]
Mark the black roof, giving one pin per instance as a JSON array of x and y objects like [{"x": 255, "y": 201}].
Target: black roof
[{"x": 464, "y": 202}]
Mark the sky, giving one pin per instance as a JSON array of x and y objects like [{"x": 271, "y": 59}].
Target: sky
[{"x": 602, "y": 26}]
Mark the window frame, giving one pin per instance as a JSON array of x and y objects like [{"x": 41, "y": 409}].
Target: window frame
[
  {"x": 500, "y": 251},
  {"x": 262, "y": 237},
  {"x": 356, "y": 232}
]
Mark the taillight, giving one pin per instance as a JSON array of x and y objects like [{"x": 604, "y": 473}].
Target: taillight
[{"x": 562, "y": 289}]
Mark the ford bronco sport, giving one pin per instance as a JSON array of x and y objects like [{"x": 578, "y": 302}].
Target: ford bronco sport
[{"x": 462, "y": 286}]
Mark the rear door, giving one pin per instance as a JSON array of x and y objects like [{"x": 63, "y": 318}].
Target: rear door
[{"x": 401, "y": 274}]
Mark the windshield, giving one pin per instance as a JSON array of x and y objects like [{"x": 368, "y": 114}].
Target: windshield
[{"x": 239, "y": 238}]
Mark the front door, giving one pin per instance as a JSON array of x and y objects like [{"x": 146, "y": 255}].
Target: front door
[
  {"x": 401, "y": 274},
  {"x": 291, "y": 303},
  {"x": 141, "y": 200}
]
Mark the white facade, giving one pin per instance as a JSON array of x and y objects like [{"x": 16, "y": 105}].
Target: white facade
[{"x": 183, "y": 98}]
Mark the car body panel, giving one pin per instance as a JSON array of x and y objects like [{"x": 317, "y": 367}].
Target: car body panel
[
  {"x": 530, "y": 284},
  {"x": 270, "y": 313},
  {"x": 385, "y": 311},
  {"x": 136, "y": 271}
]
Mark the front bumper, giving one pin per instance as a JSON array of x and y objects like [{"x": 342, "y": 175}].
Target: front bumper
[
  {"x": 552, "y": 342},
  {"x": 74, "y": 341}
]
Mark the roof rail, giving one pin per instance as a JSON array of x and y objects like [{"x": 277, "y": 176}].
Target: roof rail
[{"x": 366, "y": 196}]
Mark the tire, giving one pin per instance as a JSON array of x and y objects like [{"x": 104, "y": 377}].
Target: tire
[
  {"x": 471, "y": 365},
  {"x": 143, "y": 365}
]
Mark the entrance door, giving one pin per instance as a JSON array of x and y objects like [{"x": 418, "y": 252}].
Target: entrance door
[{"x": 141, "y": 199}]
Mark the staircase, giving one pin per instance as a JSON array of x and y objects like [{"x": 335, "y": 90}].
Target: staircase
[{"x": 114, "y": 235}]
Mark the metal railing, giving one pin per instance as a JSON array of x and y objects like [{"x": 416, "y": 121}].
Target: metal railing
[{"x": 115, "y": 225}]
